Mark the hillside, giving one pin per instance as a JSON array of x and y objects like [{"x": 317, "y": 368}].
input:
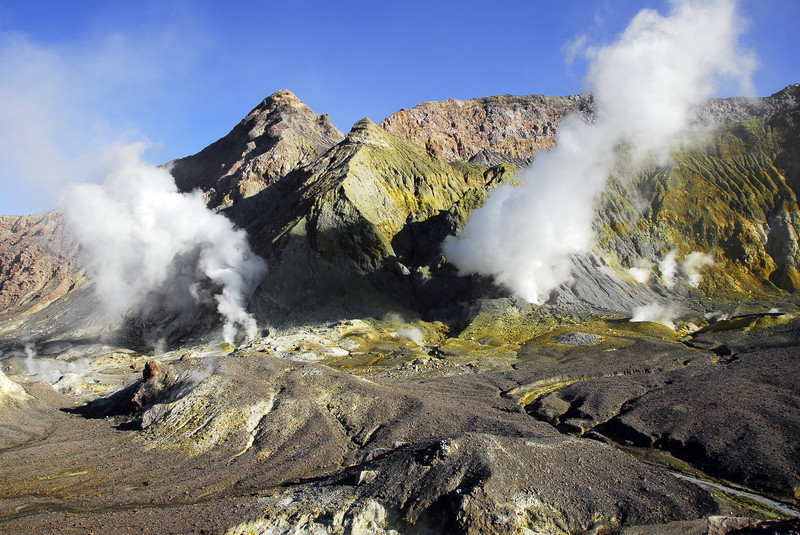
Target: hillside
[{"x": 387, "y": 392}]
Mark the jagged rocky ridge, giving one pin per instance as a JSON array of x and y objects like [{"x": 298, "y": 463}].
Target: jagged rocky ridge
[
  {"x": 373, "y": 208},
  {"x": 418, "y": 426}
]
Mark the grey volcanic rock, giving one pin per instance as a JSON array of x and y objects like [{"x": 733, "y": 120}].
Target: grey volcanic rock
[
  {"x": 737, "y": 419},
  {"x": 478, "y": 483},
  {"x": 717, "y": 111},
  {"x": 277, "y": 136},
  {"x": 267, "y": 445}
]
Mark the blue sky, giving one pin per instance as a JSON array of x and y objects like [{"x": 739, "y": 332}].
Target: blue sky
[{"x": 75, "y": 76}]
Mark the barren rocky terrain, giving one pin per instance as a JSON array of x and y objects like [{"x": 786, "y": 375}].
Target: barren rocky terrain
[{"x": 388, "y": 393}]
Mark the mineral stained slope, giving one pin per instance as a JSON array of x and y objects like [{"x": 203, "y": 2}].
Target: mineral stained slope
[
  {"x": 734, "y": 199},
  {"x": 347, "y": 225},
  {"x": 390, "y": 394}
]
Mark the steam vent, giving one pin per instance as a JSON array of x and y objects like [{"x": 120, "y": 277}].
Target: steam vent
[{"x": 409, "y": 328}]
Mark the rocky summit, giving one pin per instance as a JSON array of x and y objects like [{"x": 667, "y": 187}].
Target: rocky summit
[{"x": 655, "y": 391}]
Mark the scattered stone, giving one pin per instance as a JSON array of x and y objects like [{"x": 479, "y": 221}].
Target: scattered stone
[
  {"x": 723, "y": 525},
  {"x": 577, "y": 339},
  {"x": 157, "y": 378},
  {"x": 336, "y": 352}
]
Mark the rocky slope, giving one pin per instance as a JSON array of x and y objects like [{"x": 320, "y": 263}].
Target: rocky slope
[
  {"x": 488, "y": 130},
  {"x": 39, "y": 266},
  {"x": 735, "y": 199},
  {"x": 389, "y": 394},
  {"x": 280, "y": 134},
  {"x": 708, "y": 415},
  {"x": 258, "y": 441},
  {"x": 364, "y": 222}
]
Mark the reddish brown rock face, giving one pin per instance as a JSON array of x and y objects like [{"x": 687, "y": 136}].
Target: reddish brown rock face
[
  {"x": 511, "y": 128},
  {"x": 38, "y": 261}
]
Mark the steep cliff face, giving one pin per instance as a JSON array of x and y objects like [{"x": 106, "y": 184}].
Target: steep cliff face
[
  {"x": 39, "y": 264},
  {"x": 511, "y": 128},
  {"x": 489, "y": 130},
  {"x": 277, "y": 136},
  {"x": 735, "y": 109}
]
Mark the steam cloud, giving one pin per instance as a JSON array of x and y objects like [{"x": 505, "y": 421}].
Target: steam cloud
[
  {"x": 59, "y": 108},
  {"x": 656, "y": 313},
  {"x": 646, "y": 87},
  {"x": 693, "y": 264},
  {"x": 668, "y": 266},
  {"x": 51, "y": 371},
  {"x": 690, "y": 267},
  {"x": 143, "y": 237},
  {"x": 642, "y": 271}
]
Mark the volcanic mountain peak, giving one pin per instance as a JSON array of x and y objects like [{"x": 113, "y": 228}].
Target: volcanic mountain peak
[
  {"x": 352, "y": 219},
  {"x": 278, "y": 135}
]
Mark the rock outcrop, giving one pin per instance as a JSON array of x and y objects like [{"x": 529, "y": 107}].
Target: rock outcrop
[
  {"x": 510, "y": 128},
  {"x": 11, "y": 392},
  {"x": 712, "y": 416},
  {"x": 361, "y": 227},
  {"x": 280, "y": 134},
  {"x": 39, "y": 265},
  {"x": 718, "y": 111},
  {"x": 487, "y": 131}
]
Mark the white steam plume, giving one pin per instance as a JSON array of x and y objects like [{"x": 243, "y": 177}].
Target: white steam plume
[
  {"x": 646, "y": 87},
  {"x": 665, "y": 315},
  {"x": 51, "y": 371},
  {"x": 642, "y": 271},
  {"x": 142, "y": 235},
  {"x": 668, "y": 266},
  {"x": 59, "y": 103},
  {"x": 692, "y": 265}
]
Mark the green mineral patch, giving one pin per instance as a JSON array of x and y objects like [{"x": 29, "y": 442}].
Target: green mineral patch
[
  {"x": 527, "y": 394},
  {"x": 749, "y": 322},
  {"x": 505, "y": 322}
]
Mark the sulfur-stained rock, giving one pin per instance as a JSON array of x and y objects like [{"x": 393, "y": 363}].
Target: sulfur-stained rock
[{"x": 11, "y": 392}]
